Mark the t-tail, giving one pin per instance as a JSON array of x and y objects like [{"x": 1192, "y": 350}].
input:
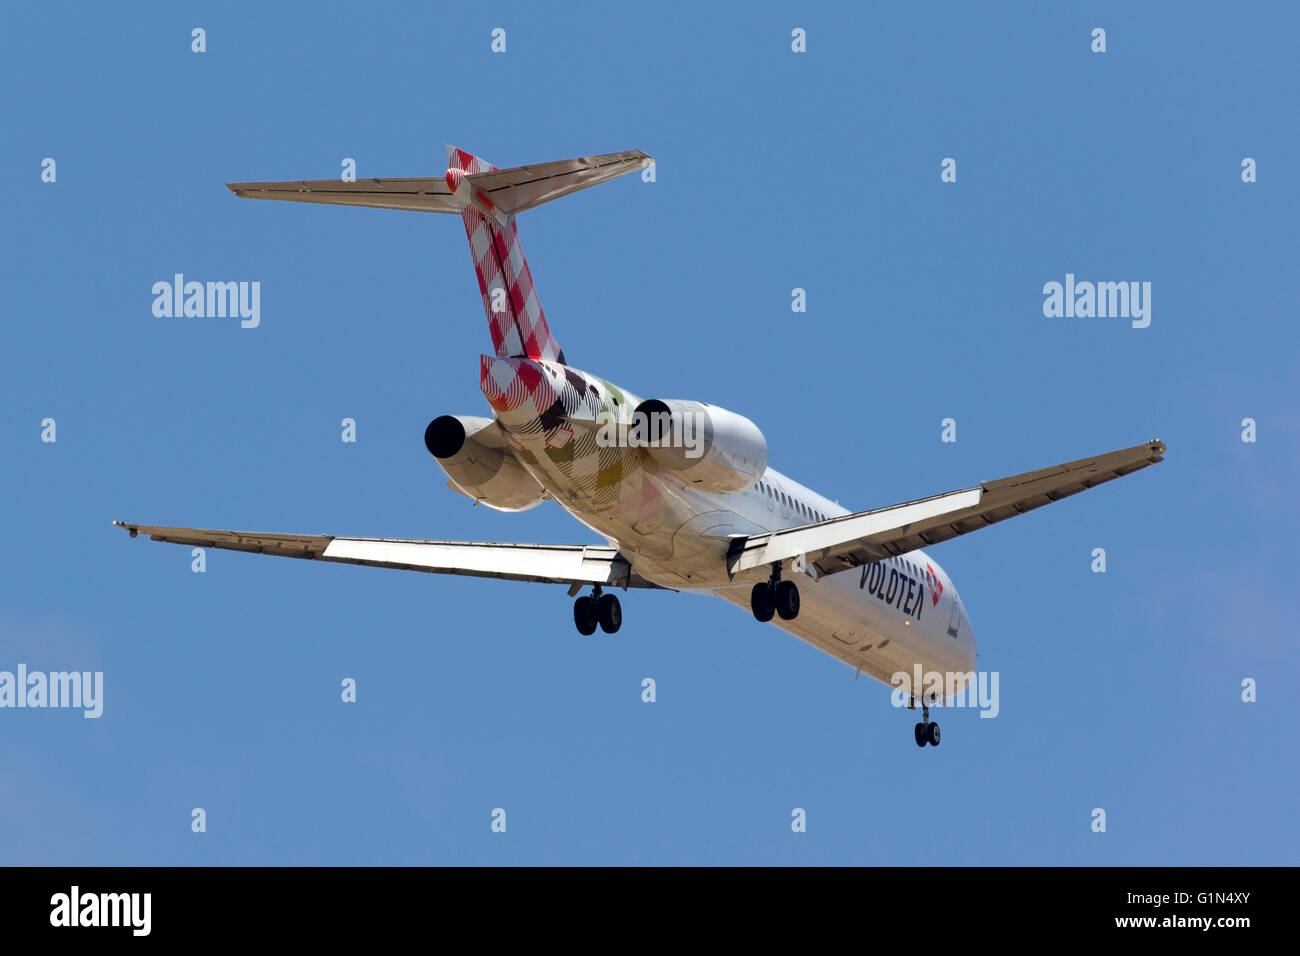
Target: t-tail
[{"x": 487, "y": 199}]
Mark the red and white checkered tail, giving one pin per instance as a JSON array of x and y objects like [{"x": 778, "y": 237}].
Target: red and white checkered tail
[{"x": 514, "y": 313}]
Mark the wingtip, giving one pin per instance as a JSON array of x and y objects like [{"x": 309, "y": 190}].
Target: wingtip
[
  {"x": 1157, "y": 446},
  {"x": 130, "y": 529}
]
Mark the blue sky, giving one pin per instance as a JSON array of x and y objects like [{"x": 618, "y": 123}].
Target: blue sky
[{"x": 774, "y": 170}]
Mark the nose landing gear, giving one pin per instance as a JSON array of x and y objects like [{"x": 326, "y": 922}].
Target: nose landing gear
[
  {"x": 774, "y": 597},
  {"x": 926, "y": 732},
  {"x": 598, "y": 609}
]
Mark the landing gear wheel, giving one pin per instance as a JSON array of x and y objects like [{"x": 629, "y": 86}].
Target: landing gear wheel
[
  {"x": 933, "y": 735},
  {"x": 787, "y": 600},
  {"x": 921, "y": 734},
  {"x": 584, "y": 616},
  {"x": 610, "y": 613},
  {"x": 761, "y": 603}
]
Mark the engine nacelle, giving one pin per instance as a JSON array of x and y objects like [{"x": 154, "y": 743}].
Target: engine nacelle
[
  {"x": 704, "y": 445},
  {"x": 480, "y": 463}
]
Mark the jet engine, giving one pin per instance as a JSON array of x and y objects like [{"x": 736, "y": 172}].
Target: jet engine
[
  {"x": 480, "y": 463},
  {"x": 706, "y": 446}
]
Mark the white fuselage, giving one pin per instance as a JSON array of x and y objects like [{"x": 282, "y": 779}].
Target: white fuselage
[{"x": 879, "y": 621}]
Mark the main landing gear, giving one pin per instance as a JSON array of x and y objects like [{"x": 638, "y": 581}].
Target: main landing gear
[
  {"x": 602, "y": 609},
  {"x": 774, "y": 597},
  {"x": 926, "y": 732}
]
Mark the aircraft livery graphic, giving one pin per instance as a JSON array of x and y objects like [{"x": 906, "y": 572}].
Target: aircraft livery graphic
[{"x": 707, "y": 516}]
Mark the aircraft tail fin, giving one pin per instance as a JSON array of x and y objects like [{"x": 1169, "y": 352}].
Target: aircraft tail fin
[{"x": 487, "y": 199}]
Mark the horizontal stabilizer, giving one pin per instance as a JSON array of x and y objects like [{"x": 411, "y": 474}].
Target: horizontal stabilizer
[
  {"x": 506, "y": 191},
  {"x": 413, "y": 195},
  {"x": 527, "y": 187}
]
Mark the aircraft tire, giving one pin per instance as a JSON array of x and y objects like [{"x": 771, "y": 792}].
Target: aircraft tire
[
  {"x": 585, "y": 615},
  {"x": 610, "y": 613},
  {"x": 787, "y": 600}
]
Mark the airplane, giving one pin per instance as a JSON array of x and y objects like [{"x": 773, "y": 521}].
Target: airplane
[{"x": 679, "y": 489}]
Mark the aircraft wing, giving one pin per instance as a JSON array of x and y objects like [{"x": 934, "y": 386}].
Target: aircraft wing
[
  {"x": 854, "y": 540},
  {"x": 575, "y": 565}
]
